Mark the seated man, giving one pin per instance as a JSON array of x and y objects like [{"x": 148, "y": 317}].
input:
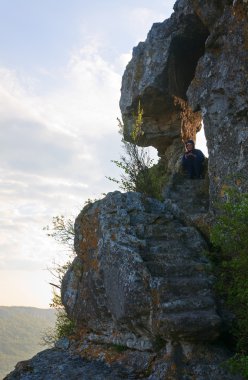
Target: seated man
[{"x": 193, "y": 160}]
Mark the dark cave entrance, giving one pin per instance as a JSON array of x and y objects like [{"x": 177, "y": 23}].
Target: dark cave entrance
[{"x": 185, "y": 51}]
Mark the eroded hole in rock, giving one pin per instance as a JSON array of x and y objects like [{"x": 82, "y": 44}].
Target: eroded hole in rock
[
  {"x": 201, "y": 141},
  {"x": 184, "y": 54}
]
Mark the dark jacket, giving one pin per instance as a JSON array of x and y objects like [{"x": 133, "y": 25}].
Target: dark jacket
[{"x": 194, "y": 154}]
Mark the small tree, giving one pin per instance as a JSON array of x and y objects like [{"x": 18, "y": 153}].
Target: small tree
[
  {"x": 62, "y": 230},
  {"x": 139, "y": 172}
]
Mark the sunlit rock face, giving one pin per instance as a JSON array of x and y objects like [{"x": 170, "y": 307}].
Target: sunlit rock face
[{"x": 193, "y": 66}]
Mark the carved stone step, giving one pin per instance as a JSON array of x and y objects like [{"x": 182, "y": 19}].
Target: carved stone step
[
  {"x": 155, "y": 219},
  {"x": 182, "y": 268},
  {"x": 184, "y": 325},
  {"x": 172, "y": 233},
  {"x": 188, "y": 304},
  {"x": 171, "y": 256},
  {"x": 159, "y": 246},
  {"x": 151, "y": 276},
  {"x": 172, "y": 288}
]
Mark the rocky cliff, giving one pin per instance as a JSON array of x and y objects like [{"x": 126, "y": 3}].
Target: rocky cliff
[
  {"x": 192, "y": 68},
  {"x": 140, "y": 289}
]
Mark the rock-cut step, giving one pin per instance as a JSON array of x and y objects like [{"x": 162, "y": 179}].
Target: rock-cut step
[
  {"x": 191, "y": 196},
  {"x": 176, "y": 268},
  {"x": 172, "y": 288},
  {"x": 187, "y": 324},
  {"x": 171, "y": 256},
  {"x": 189, "y": 304}
]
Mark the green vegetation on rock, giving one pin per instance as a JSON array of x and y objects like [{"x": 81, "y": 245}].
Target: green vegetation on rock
[
  {"x": 139, "y": 173},
  {"x": 230, "y": 239},
  {"x": 62, "y": 230}
]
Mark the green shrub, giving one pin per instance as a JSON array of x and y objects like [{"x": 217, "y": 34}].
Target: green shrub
[
  {"x": 118, "y": 347},
  {"x": 138, "y": 170},
  {"x": 62, "y": 230},
  {"x": 230, "y": 238},
  {"x": 239, "y": 364},
  {"x": 64, "y": 326},
  {"x": 152, "y": 181}
]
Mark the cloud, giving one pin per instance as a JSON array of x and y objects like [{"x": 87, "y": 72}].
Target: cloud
[
  {"x": 58, "y": 129},
  {"x": 122, "y": 61},
  {"x": 56, "y": 148}
]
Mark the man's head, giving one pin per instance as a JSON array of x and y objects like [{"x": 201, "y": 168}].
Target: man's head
[{"x": 189, "y": 144}]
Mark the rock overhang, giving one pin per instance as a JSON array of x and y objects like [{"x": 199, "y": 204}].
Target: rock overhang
[
  {"x": 158, "y": 77},
  {"x": 192, "y": 69}
]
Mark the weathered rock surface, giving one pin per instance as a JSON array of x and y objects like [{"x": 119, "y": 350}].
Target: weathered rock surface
[
  {"x": 174, "y": 362},
  {"x": 139, "y": 281},
  {"x": 140, "y": 278},
  {"x": 193, "y": 66},
  {"x": 139, "y": 273},
  {"x": 57, "y": 364},
  {"x": 189, "y": 201},
  {"x": 158, "y": 76},
  {"x": 219, "y": 90}
]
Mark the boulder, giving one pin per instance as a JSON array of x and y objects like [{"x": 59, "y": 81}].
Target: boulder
[{"x": 139, "y": 273}]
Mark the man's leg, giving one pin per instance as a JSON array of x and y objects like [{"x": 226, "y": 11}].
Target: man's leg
[
  {"x": 197, "y": 168},
  {"x": 189, "y": 167}
]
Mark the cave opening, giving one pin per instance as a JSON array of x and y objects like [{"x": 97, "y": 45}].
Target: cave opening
[{"x": 185, "y": 52}]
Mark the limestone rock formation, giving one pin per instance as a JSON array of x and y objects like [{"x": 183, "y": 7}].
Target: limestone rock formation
[
  {"x": 139, "y": 273},
  {"x": 92, "y": 362},
  {"x": 141, "y": 281},
  {"x": 194, "y": 66},
  {"x": 219, "y": 90},
  {"x": 158, "y": 76}
]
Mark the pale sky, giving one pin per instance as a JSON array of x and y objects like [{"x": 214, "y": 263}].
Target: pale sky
[{"x": 61, "y": 65}]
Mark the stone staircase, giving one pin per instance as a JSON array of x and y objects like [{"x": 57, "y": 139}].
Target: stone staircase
[
  {"x": 192, "y": 196},
  {"x": 144, "y": 272},
  {"x": 181, "y": 283},
  {"x": 189, "y": 201}
]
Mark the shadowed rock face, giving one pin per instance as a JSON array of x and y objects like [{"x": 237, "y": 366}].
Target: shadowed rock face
[
  {"x": 193, "y": 66},
  {"x": 175, "y": 362},
  {"x": 219, "y": 90},
  {"x": 186, "y": 361}
]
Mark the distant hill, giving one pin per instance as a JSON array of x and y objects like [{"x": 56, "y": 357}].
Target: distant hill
[{"x": 21, "y": 329}]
